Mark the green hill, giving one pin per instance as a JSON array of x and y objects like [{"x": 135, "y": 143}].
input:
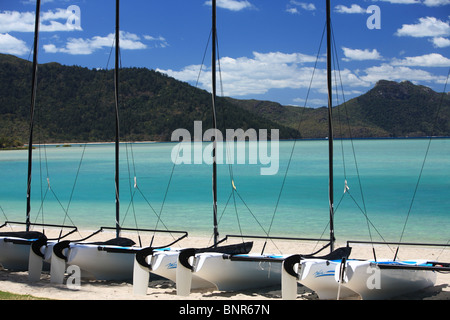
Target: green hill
[
  {"x": 390, "y": 109},
  {"x": 76, "y": 104}
]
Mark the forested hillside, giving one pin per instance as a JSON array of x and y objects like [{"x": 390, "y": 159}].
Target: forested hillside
[
  {"x": 76, "y": 104},
  {"x": 390, "y": 109}
]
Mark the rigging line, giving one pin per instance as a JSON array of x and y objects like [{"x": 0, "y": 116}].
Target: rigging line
[
  {"x": 41, "y": 145},
  {"x": 443, "y": 249},
  {"x": 350, "y": 134},
  {"x": 227, "y": 145},
  {"x": 218, "y": 63},
  {"x": 170, "y": 179},
  {"x": 74, "y": 184},
  {"x": 222, "y": 214},
  {"x": 328, "y": 223},
  {"x": 298, "y": 130},
  {"x": 236, "y": 213},
  {"x": 60, "y": 204},
  {"x": 131, "y": 204},
  {"x": 4, "y": 214},
  {"x": 110, "y": 52},
  {"x": 158, "y": 216},
  {"x": 129, "y": 145},
  {"x": 41, "y": 207},
  {"x": 44, "y": 159},
  {"x": 425, "y": 157},
  {"x": 362, "y": 211},
  {"x": 256, "y": 219},
  {"x": 130, "y": 154},
  {"x": 367, "y": 217},
  {"x": 203, "y": 60}
]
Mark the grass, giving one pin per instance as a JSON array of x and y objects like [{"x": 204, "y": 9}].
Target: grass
[{"x": 12, "y": 296}]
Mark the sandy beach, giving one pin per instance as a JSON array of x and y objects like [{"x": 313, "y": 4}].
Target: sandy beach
[{"x": 162, "y": 289}]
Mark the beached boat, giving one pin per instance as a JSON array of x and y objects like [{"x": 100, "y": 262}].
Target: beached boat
[
  {"x": 165, "y": 262},
  {"x": 385, "y": 279},
  {"x": 318, "y": 274},
  {"x": 233, "y": 272},
  {"x": 104, "y": 260},
  {"x": 24, "y": 250},
  {"x": 340, "y": 278}
]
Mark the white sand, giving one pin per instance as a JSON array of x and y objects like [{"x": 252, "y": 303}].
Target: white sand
[{"x": 17, "y": 282}]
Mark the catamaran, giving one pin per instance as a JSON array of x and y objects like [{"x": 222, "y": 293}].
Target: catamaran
[
  {"x": 24, "y": 250},
  {"x": 233, "y": 272},
  {"x": 103, "y": 260},
  {"x": 166, "y": 262},
  {"x": 343, "y": 277}
]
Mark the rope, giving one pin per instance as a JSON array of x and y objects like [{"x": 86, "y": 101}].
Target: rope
[
  {"x": 425, "y": 157},
  {"x": 364, "y": 211},
  {"x": 4, "y": 214},
  {"x": 234, "y": 191},
  {"x": 295, "y": 140}
]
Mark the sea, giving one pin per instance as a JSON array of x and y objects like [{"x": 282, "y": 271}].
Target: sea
[{"x": 384, "y": 189}]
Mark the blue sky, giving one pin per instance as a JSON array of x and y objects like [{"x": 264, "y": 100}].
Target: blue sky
[{"x": 267, "y": 48}]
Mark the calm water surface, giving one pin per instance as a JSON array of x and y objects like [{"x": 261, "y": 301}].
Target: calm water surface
[{"x": 76, "y": 185}]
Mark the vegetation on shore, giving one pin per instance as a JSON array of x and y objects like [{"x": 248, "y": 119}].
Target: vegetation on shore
[
  {"x": 13, "y": 296},
  {"x": 76, "y": 104}
]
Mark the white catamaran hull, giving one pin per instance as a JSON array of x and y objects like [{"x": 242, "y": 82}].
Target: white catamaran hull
[
  {"x": 319, "y": 276},
  {"x": 164, "y": 264},
  {"x": 374, "y": 283},
  {"x": 15, "y": 253},
  {"x": 100, "y": 264},
  {"x": 231, "y": 275},
  {"x": 14, "y": 256}
]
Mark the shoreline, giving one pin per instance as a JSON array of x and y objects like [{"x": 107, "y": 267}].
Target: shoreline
[
  {"x": 163, "y": 289},
  {"x": 69, "y": 144}
]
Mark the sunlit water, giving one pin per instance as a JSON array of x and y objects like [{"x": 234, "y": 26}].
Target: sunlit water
[{"x": 382, "y": 192}]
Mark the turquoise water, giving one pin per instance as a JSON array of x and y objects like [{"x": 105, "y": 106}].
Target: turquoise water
[{"x": 388, "y": 173}]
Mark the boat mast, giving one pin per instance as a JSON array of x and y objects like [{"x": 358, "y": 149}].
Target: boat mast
[
  {"x": 330, "y": 127},
  {"x": 33, "y": 102},
  {"x": 116, "y": 87},
  {"x": 213, "y": 65}
]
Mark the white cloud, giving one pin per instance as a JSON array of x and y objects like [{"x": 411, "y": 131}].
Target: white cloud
[
  {"x": 249, "y": 76},
  {"x": 294, "y": 6},
  {"x": 11, "y": 45},
  {"x": 440, "y": 42},
  {"x": 264, "y": 71},
  {"x": 160, "y": 41},
  {"x": 304, "y": 5},
  {"x": 397, "y": 73},
  {"x": 292, "y": 10},
  {"x": 428, "y": 3},
  {"x": 427, "y": 27},
  {"x": 428, "y": 60},
  {"x": 353, "y": 9},
  {"x": 316, "y": 102},
  {"x": 16, "y": 21},
  {"x": 403, "y": 1},
  {"x": 233, "y": 5},
  {"x": 436, "y": 3},
  {"x": 11, "y": 21},
  {"x": 80, "y": 46},
  {"x": 358, "y": 54}
]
